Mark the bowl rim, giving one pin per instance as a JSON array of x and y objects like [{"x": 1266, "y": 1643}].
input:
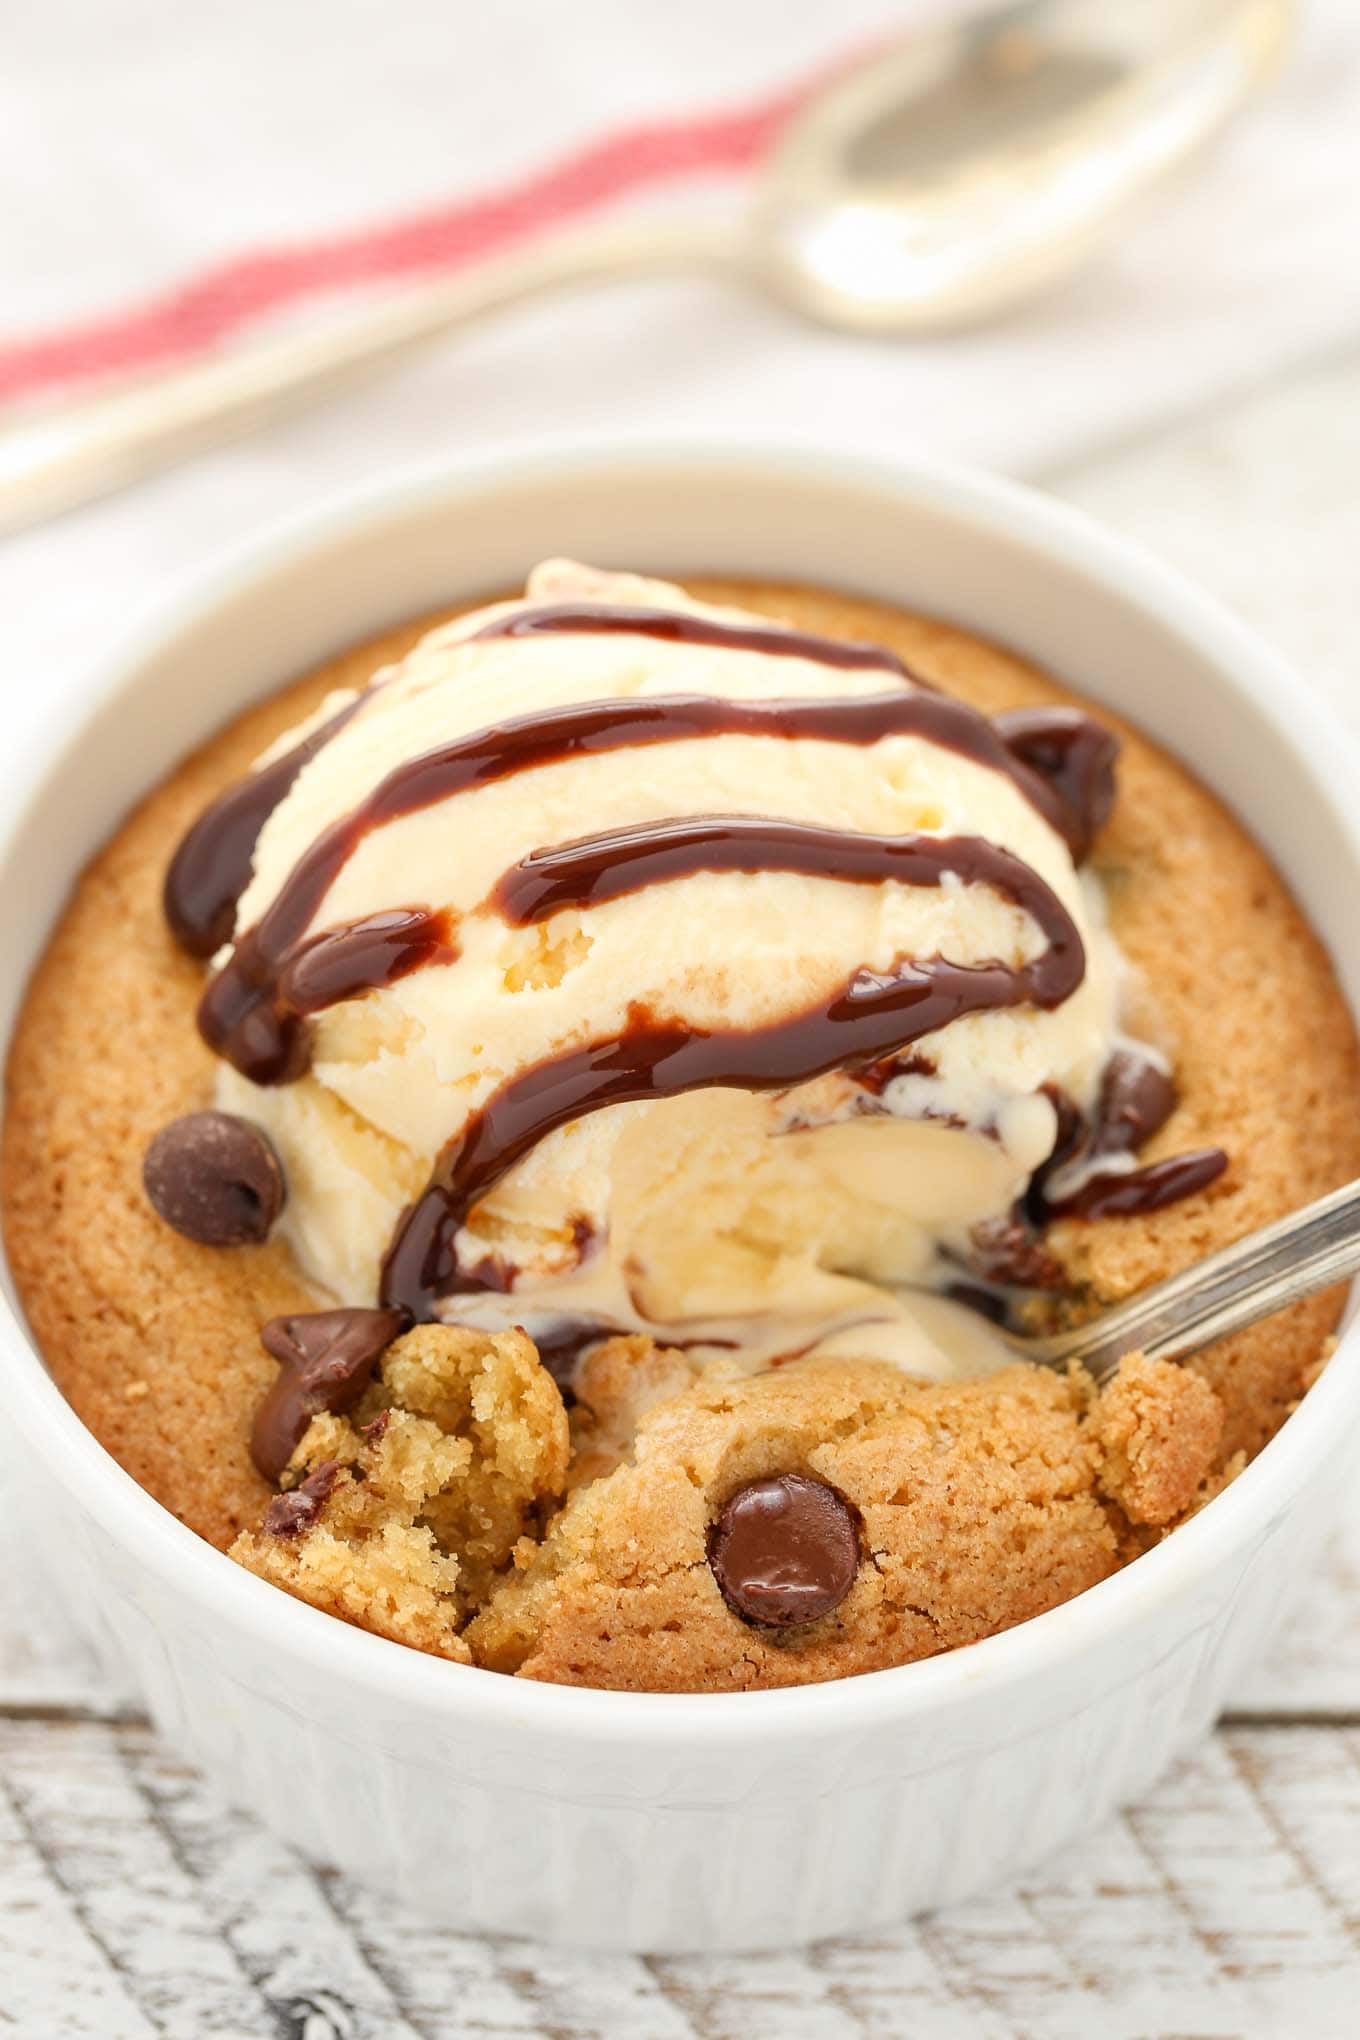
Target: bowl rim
[{"x": 1238, "y": 1517}]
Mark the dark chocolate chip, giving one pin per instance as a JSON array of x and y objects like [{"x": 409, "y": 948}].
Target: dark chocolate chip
[
  {"x": 785, "y": 1550},
  {"x": 214, "y": 1178},
  {"x": 1139, "y": 1191},
  {"x": 1011, "y": 1252},
  {"x": 289, "y": 1515},
  {"x": 1137, "y": 1097},
  {"x": 326, "y": 1361}
]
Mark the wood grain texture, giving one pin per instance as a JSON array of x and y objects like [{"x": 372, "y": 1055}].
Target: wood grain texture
[{"x": 134, "y": 1903}]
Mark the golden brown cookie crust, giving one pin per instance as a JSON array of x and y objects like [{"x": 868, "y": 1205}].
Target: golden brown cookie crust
[
  {"x": 979, "y": 1505},
  {"x": 155, "y": 1340}
]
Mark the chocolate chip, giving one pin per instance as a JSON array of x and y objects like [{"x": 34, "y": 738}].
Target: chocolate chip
[
  {"x": 1069, "y": 1138},
  {"x": 1137, "y": 1097},
  {"x": 785, "y": 1550},
  {"x": 214, "y": 1178},
  {"x": 1132, "y": 1194},
  {"x": 1010, "y": 1251},
  {"x": 326, "y": 1361},
  {"x": 289, "y": 1515}
]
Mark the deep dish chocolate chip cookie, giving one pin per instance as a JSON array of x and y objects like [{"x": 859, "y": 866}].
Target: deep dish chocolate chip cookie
[{"x": 534, "y": 1165}]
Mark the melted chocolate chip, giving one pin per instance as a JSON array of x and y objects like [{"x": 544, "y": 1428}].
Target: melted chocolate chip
[
  {"x": 1069, "y": 1138},
  {"x": 289, "y": 1515},
  {"x": 214, "y": 1178},
  {"x": 1075, "y": 756},
  {"x": 785, "y": 1550},
  {"x": 1132, "y": 1193},
  {"x": 1137, "y": 1097},
  {"x": 1009, "y": 1251},
  {"x": 985, "y": 1303},
  {"x": 326, "y": 1361}
]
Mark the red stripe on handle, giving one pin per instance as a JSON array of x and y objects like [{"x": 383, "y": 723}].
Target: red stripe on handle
[{"x": 213, "y": 305}]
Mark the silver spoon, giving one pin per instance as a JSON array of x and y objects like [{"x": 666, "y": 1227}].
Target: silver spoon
[
  {"x": 1252, "y": 1279},
  {"x": 942, "y": 181}
]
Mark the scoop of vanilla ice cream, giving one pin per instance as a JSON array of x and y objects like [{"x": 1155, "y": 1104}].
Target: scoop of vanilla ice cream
[{"x": 724, "y": 1217}]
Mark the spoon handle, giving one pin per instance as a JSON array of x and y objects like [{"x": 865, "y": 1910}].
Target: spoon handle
[
  {"x": 1251, "y": 1279},
  {"x": 70, "y": 455}
]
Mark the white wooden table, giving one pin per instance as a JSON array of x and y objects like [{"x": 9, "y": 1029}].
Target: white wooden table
[{"x": 133, "y": 1902}]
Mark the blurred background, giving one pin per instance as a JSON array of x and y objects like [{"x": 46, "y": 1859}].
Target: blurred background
[{"x": 186, "y": 185}]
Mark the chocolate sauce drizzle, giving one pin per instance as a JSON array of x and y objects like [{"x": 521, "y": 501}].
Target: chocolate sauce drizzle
[
  {"x": 685, "y": 627},
  {"x": 1075, "y": 757},
  {"x": 242, "y": 1017},
  {"x": 254, "y": 1011},
  {"x": 596, "y": 869},
  {"x": 211, "y": 868},
  {"x": 870, "y": 1016}
]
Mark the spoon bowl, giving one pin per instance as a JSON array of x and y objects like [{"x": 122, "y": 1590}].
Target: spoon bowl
[{"x": 974, "y": 165}]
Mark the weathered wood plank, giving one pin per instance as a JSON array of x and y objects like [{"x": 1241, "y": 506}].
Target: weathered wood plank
[
  {"x": 132, "y": 1901},
  {"x": 133, "y": 1897},
  {"x": 303, "y": 1963},
  {"x": 54, "y": 1977},
  {"x": 502, "y": 1986}
]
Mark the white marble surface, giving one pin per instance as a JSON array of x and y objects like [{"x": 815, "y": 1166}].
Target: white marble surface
[{"x": 132, "y": 1902}]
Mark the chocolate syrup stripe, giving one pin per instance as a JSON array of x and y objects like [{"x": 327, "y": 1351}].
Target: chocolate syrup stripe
[
  {"x": 869, "y": 1016},
  {"x": 684, "y": 627},
  {"x": 239, "y": 1015},
  {"x": 1060, "y": 758},
  {"x": 211, "y": 868},
  {"x": 596, "y": 869}
]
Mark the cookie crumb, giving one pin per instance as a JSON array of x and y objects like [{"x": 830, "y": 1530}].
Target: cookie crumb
[
  {"x": 404, "y": 1512},
  {"x": 1157, "y": 1427}
]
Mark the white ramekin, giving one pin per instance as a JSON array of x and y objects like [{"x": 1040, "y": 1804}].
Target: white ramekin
[{"x": 712, "y": 1821}]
